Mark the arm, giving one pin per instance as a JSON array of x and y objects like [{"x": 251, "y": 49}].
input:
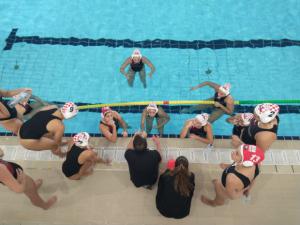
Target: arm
[
  {"x": 209, "y": 135},
  {"x": 156, "y": 141},
  {"x": 124, "y": 65},
  {"x": 130, "y": 144},
  {"x": 11, "y": 93},
  {"x": 206, "y": 83},
  {"x": 236, "y": 141},
  {"x": 186, "y": 128},
  {"x": 163, "y": 115},
  {"x": 143, "y": 119},
  {"x": 7, "y": 179},
  {"x": 107, "y": 134},
  {"x": 120, "y": 119},
  {"x": 148, "y": 63},
  {"x": 265, "y": 139}
]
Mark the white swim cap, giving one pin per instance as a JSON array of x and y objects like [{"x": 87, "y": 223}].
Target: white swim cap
[
  {"x": 246, "y": 118},
  {"x": 69, "y": 110},
  {"x": 81, "y": 139},
  {"x": 202, "y": 118},
  {"x": 152, "y": 106},
  {"x": 225, "y": 89},
  {"x": 251, "y": 155},
  {"x": 266, "y": 112},
  {"x": 136, "y": 53}
]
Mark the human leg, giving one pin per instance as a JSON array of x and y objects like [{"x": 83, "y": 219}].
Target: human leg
[
  {"x": 31, "y": 192},
  {"x": 200, "y": 107},
  {"x": 216, "y": 114},
  {"x": 220, "y": 195},
  {"x": 149, "y": 124},
  {"x": 130, "y": 77},
  {"x": 160, "y": 128},
  {"x": 142, "y": 75}
]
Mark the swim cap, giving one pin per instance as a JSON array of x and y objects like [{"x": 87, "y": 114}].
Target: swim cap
[
  {"x": 202, "y": 118},
  {"x": 246, "y": 118},
  {"x": 152, "y": 106},
  {"x": 81, "y": 139},
  {"x": 105, "y": 110},
  {"x": 225, "y": 89},
  {"x": 266, "y": 112},
  {"x": 136, "y": 53},
  {"x": 69, "y": 110},
  {"x": 251, "y": 155}
]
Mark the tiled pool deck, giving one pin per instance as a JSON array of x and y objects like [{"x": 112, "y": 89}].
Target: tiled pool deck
[{"x": 108, "y": 197}]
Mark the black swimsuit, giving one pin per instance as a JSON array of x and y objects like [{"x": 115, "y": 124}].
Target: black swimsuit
[
  {"x": 198, "y": 131},
  {"x": 12, "y": 111},
  {"x": 245, "y": 180},
  {"x": 137, "y": 67},
  {"x": 71, "y": 165},
  {"x": 36, "y": 127},
  {"x": 12, "y": 167},
  {"x": 220, "y": 100},
  {"x": 248, "y": 134}
]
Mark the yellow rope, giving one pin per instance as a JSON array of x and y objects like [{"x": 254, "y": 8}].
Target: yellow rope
[{"x": 185, "y": 102}]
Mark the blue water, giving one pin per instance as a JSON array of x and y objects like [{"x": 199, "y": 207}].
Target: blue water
[{"x": 91, "y": 74}]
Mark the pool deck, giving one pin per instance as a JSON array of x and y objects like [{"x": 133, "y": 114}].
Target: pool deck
[{"x": 108, "y": 196}]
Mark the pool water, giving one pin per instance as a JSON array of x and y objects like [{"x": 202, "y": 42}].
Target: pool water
[{"x": 91, "y": 74}]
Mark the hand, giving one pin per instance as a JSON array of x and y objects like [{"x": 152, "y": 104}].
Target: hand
[
  {"x": 218, "y": 105},
  {"x": 127, "y": 76},
  {"x": 125, "y": 134},
  {"x": 143, "y": 134},
  {"x": 107, "y": 162},
  {"x": 193, "y": 136},
  {"x": 156, "y": 139},
  {"x": 193, "y": 88},
  {"x": 112, "y": 123}
]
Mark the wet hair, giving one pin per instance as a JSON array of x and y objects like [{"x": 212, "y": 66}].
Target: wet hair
[
  {"x": 182, "y": 175},
  {"x": 139, "y": 143}
]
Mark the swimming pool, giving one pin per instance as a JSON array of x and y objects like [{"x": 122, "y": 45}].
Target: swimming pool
[{"x": 64, "y": 72}]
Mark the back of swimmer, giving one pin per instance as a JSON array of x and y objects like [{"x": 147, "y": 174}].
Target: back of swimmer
[
  {"x": 81, "y": 158},
  {"x": 45, "y": 129}
]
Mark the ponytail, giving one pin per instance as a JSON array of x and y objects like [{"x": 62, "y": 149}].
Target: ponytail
[{"x": 182, "y": 182}]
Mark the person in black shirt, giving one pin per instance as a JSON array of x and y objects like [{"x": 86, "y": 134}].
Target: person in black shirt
[
  {"x": 175, "y": 190},
  {"x": 143, "y": 163},
  {"x": 137, "y": 64}
]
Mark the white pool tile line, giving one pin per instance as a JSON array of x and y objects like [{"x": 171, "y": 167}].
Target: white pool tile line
[{"x": 194, "y": 155}]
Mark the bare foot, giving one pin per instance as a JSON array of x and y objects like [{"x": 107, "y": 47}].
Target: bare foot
[
  {"x": 38, "y": 183},
  {"x": 207, "y": 201},
  {"x": 50, "y": 202}
]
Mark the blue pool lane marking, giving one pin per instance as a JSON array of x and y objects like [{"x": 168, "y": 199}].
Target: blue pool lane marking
[{"x": 157, "y": 43}]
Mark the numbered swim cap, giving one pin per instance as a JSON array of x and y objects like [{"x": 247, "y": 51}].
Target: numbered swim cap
[
  {"x": 251, "y": 155},
  {"x": 246, "y": 118},
  {"x": 105, "y": 110},
  {"x": 152, "y": 106},
  {"x": 225, "y": 89},
  {"x": 136, "y": 53},
  {"x": 202, "y": 118},
  {"x": 81, "y": 139},
  {"x": 69, "y": 110},
  {"x": 266, "y": 112}
]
